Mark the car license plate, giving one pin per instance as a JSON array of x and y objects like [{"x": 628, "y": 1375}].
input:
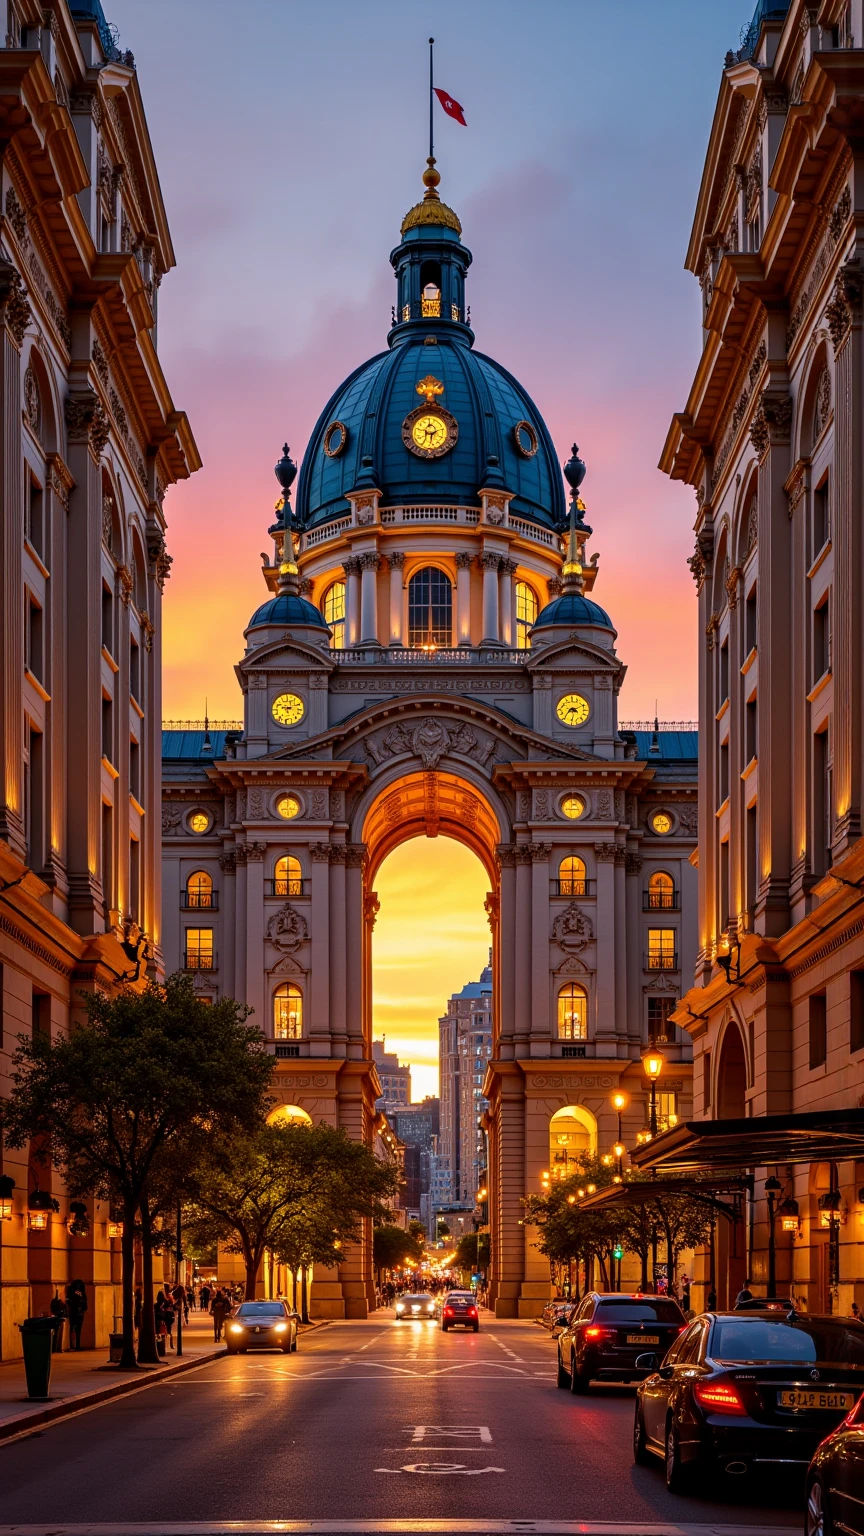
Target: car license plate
[
  {"x": 809, "y": 1399},
  {"x": 643, "y": 1338}
]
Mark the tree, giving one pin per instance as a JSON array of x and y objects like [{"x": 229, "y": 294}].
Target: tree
[
  {"x": 147, "y": 1079},
  {"x": 391, "y": 1246},
  {"x": 301, "y": 1191},
  {"x": 417, "y": 1229},
  {"x": 442, "y": 1228},
  {"x": 472, "y": 1251}
]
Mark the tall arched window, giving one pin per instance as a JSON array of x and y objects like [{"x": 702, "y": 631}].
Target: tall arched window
[
  {"x": 430, "y": 608},
  {"x": 287, "y": 1012},
  {"x": 333, "y": 609},
  {"x": 199, "y": 889},
  {"x": 526, "y": 614},
  {"x": 288, "y": 877},
  {"x": 661, "y": 891},
  {"x": 571, "y": 877},
  {"x": 572, "y": 1013}
]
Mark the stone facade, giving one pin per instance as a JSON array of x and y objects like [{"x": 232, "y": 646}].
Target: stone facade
[
  {"x": 770, "y": 440},
  {"x": 91, "y": 443}
]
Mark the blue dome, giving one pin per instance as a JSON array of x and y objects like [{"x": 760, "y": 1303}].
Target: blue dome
[
  {"x": 287, "y": 608},
  {"x": 573, "y": 608}
]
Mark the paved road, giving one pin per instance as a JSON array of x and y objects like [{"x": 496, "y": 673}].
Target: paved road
[{"x": 373, "y": 1420}]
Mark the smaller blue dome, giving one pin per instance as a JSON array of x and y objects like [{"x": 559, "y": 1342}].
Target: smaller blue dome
[
  {"x": 573, "y": 608},
  {"x": 287, "y": 608}
]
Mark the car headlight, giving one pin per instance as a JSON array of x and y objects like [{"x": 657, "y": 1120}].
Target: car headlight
[
  {"x": 281, "y": 1328},
  {"x": 399, "y": 1307},
  {"x": 236, "y": 1328}
]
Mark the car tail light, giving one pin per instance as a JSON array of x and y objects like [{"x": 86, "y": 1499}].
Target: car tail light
[
  {"x": 719, "y": 1397},
  {"x": 599, "y": 1333},
  {"x": 472, "y": 1311},
  {"x": 448, "y": 1311}
]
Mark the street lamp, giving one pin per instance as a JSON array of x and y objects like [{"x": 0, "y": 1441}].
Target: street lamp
[
  {"x": 6, "y": 1187},
  {"x": 620, "y": 1102},
  {"x": 772, "y": 1191},
  {"x": 653, "y": 1063},
  {"x": 619, "y": 1150}
]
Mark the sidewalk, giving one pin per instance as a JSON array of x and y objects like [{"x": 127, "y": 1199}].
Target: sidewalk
[{"x": 80, "y": 1379}]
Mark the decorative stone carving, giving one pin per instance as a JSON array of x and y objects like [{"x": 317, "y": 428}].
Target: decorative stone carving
[
  {"x": 687, "y": 820},
  {"x": 369, "y": 561},
  {"x": 319, "y": 804},
  {"x": 14, "y": 308},
  {"x": 701, "y": 560},
  {"x": 16, "y": 215},
  {"x": 228, "y": 861},
  {"x": 365, "y": 516},
  {"x": 125, "y": 584},
  {"x": 86, "y": 421},
  {"x": 159, "y": 558},
  {"x": 505, "y": 855},
  {"x": 606, "y": 853},
  {"x": 732, "y": 581},
  {"x": 572, "y": 929},
  {"x": 371, "y": 907},
  {"x": 542, "y": 682},
  {"x": 351, "y": 566},
  {"x": 464, "y": 560},
  {"x": 541, "y": 804},
  {"x": 524, "y": 806},
  {"x": 171, "y": 818},
  {"x": 489, "y": 561},
  {"x": 633, "y": 863},
  {"x": 32, "y": 401},
  {"x": 287, "y": 929},
  {"x": 320, "y": 853},
  {"x": 752, "y": 525},
  {"x": 845, "y": 303},
  {"x": 255, "y": 852},
  {"x": 108, "y": 522},
  {"x": 396, "y": 561},
  {"x": 338, "y": 853},
  {"x": 823, "y": 402},
  {"x": 711, "y": 629},
  {"x": 355, "y": 855},
  {"x": 605, "y": 805},
  {"x": 539, "y": 852},
  {"x": 430, "y": 740},
  {"x": 256, "y": 809}
]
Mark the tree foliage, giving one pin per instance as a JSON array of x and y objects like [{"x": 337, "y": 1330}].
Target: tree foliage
[
  {"x": 473, "y": 1251},
  {"x": 393, "y": 1247}
]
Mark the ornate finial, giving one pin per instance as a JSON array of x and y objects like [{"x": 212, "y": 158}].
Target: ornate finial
[
  {"x": 571, "y": 571},
  {"x": 429, "y": 388},
  {"x": 574, "y": 470},
  {"x": 286, "y": 470},
  {"x": 431, "y": 178}
]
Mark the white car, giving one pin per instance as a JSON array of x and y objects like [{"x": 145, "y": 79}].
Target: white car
[{"x": 418, "y": 1306}]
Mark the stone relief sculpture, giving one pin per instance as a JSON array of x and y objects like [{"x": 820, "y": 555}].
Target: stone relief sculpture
[
  {"x": 573, "y": 928},
  {"x": 287, "y": 929},
  {"x": 429, "y": 741}
]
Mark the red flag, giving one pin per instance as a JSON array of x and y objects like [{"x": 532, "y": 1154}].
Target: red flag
[{"x": 451, "y": 107}]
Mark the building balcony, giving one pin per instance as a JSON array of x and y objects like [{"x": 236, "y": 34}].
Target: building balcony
[
  {"x": 430, "y": 513},
  {"x": 575, "y": 1050},
  {"x": 197, "y": 901},
  {"x": 283, "y": 1049},
  {"x": 586, "y": 888},
  {"x": 661, "y": 960},
  {"x": 660, "y": 901},
  {"x": 200, "y": 960},
  {"x": 433, "y": 656},
  {"x": 286, "y": 888}
]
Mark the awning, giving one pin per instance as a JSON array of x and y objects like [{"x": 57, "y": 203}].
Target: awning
[
  {"x": 710, "y": 1146},
  {"x": 626, "y": 1196}
]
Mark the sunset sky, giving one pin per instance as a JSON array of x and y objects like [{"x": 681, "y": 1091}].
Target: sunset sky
[{"x": 290, "y": 138}]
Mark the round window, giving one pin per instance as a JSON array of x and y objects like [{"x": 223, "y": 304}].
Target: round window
[
  {"x": 199, "y": 822},
  {"x": 573, "y": 806},
  {"x": 288, "y": 806},
  {"x": 661, "y": 823},
  {"x": 335, "y": 439},
  {"x": 526, "y": 439}
]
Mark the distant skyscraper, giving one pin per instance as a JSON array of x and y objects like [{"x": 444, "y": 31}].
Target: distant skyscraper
[
  {"x": 417, "y": 1127},
  {"x": 465, "y": 1032},
  {"x": 395, "y": 1079}
]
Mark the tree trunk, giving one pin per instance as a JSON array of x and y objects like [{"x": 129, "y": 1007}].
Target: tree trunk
[
  {"x": 127, "y": 1250},
  {"x": 304, "y": 1295},
  {"x": 294, "y": 1290},
  {"x": 252, "y": 1261},
  {"x": 147, "y": 1351}
]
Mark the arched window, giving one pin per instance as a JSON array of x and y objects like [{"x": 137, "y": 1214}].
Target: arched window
[
  {"x": 288, "y": 877},
  {"x": 661, "y": 891},
  {"x": 430, "y": 609},
  {"x": 287, "y": 1012},
  {"x": 430, "y": 286},
  {"x": 333, "y": 609},
  {"x": 572, "y": 1139},
  {"x": 526, "y": 614},
  {"x": 289, "y": 1114},
  {"x": 572, "y": 1013},
  {"x": 571, "y": 877},
  {"x": 199, "y": 889}
]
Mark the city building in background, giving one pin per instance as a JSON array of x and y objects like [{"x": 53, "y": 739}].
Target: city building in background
[
  {"x": 465, "y": 1046},
  {"x": 92, "y": 441},
  {"x": 417, "y": 1128},
  {"x": 770, "y": 441},
  {"x": 395, "y": 1079}
]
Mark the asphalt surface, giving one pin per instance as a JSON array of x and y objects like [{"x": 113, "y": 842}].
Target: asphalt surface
[{"x": 368, "y": 1421}]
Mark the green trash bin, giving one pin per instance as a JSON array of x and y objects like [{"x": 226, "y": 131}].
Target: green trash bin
[{"x": 37, "y": 1336}]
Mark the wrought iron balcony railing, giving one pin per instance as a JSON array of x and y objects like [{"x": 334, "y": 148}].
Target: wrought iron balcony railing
[
  {"x": 567, "y": 887},
  {"x": 200, "y": 960},
  {"x": 286, "y": 887},
  {"x": 196, "y": 901},
  {"x": 660, "y": 901},
  {"x": 661, "y": 960}
]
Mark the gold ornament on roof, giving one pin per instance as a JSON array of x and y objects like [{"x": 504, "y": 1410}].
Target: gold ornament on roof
[
  {"x": 430, "y": 388},
  {"x": 431, "y": 210}
]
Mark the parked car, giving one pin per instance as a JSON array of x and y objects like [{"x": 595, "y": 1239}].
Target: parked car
[
  {"x": 604, "y": 1338},
  {"x": 262, "y": 1325},
  {"x": 556, "y": 1313},
  {"x": 460, "y": 1311},
  {"x": 419, "y": 1306},
  {"x": 740, "y": 1391},
  {"x": 835, "y": 1480}
]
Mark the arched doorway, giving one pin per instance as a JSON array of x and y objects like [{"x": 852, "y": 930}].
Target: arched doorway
[{"x": 572, "y": 1136}]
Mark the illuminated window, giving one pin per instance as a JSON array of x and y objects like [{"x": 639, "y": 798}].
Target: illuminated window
[
  {"x": 288, "y": 877},
  {"x": 667, "y": 1107},
  {"x": 287, "y": 1012},
  {"x": 199, "y": 949},
  {"x": 333, "y": 609},
  {"x": 526, "y": 614},
  {"x": 661, "y": 890},
  {"x": 661, "y": 949},
  {"x": 572, "y": 1013},
  {"x": 199, "y": 822},
  {"x": 573, "y": 806},
  {"x": 288, "y": 806},
  {"x": 199, "y": 889},
  {"x": 430, "y": 304},
  {"x": 571, "y": 877},
  {"x": 430, "y": 609}
]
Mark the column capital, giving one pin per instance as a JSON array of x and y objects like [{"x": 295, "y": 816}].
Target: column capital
[
  {"x": 86, "y": 421},
  {"x": 607, "y": 853},
  {"x": 489, "y": 561},
  {"x": 320, "y": 853},
  {"x": 539, "y": 852},
  {"x": 505, "y": 855},
  {"x": 14, "y": 308},
  {"x": 464, "y": 560},
  {"x": 844, "y": 308},
  {"x": 772, "y": 424},
  {"x": 355, "y": 855},
  {"x": 351, "y": 565},
  {"x": 369, "y": 560},
  {"x": 397, "y": 560}
]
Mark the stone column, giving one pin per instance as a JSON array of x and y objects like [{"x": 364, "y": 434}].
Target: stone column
[
  {"x": 464, "y": 562},
  {"x": 540, "y": 949},
  {"x": 369, "y": 563},
  {"x": 522, "y": 955},
  {"x": 14, "y": 318},
  {"x": 396, "y": 563},
  {"x": 228, "y": 905},
  {"x": 509, "y": 1186},
  {"x": 633, "y": 907},
  {"x": 351, "y": 569},
  {"x": 319, "y": 933},
  {"x": 255, "y": 981},
  {"x": 604, "y": 1025},
  {"x": 338, "y": 966},
  {"x": 507, "y": 601},
  {"x": 355, "y": 859},
  {"x": 621, "y": 987},
  {"x": 239, "y": 945},
  {"x": 489, "y": 563},
  {"x": 508, "y": 934}
]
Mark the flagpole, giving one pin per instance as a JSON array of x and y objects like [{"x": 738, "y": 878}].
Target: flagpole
[{"x": 431, "y": 146}]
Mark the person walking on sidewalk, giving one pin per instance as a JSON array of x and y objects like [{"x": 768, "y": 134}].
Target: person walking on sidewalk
[
  {"x": 220, "y": 1307},
  {"x": 205, "y": 1298},
  {"x": 76, "y": 1302},
  {"x": 58, "y": 1309}
]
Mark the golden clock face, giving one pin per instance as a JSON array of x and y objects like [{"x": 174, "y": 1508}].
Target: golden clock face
[
  {"x": 429, "y": 431},
  {"x": 573, "y": 806},
  {"x": 199, "y": 822},
  {"x": 573, "y": 709},
  {"x": 288, "y": 709},
  {"x": 288, "y": 806},
  {"x": 661, "y": 823}
]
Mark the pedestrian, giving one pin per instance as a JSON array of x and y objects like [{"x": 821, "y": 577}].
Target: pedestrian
[
  {"x": 205, "y": 1298},
  {"x": 58, "y": 1309},
  {"x": 220, "y": 1308},
  {"x": 160, "y": 1322},
  {"x": 181, "y": 1299},
  {"x": 745, "y": 1294},
  {"x": 76, "y": 1303},
  {"x": 685, "y": 1294}
]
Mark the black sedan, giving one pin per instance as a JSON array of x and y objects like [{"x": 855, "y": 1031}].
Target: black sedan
[
  {"x": 744, "y": 1391},
  {"x": 261, "y": 1325},
  {"x": 606, "y": 1336},
  {"x": 835, "y": 1481},
  {"x": 460, "y": 1311}
]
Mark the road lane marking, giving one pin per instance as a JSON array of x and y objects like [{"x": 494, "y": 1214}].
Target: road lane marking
[
  {"x": 416, "y": 1526},
  {"x": 440, "y": 1469},
  {"x": 459, "y": 1431}
]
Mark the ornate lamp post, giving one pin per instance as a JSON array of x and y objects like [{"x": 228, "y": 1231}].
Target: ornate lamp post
[
  {"x": 653, "y": 1062},
  {"x": 772, "y": 1191}
]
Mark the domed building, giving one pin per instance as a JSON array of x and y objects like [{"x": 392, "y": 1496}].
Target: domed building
[{"x": 431, "y": 660}]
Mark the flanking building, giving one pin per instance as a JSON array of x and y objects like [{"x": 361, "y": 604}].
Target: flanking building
[
  {"x": 771, "y": 441},
  {"x": 92, "y": 441}
]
